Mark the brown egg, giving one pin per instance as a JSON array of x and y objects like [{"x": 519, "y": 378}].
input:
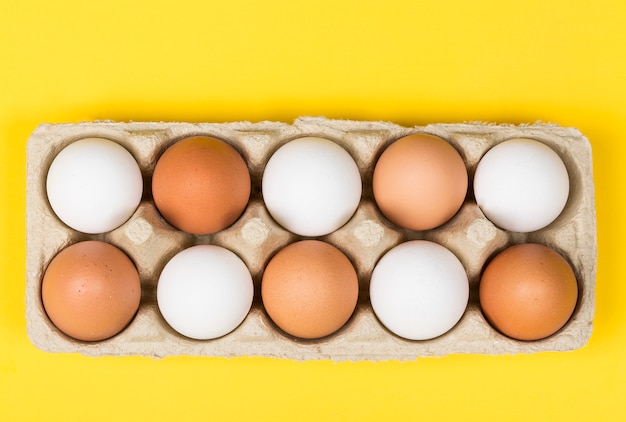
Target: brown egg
[
  {"x": 91, "y": 290},
  {"x": 201, "y": 185},
  {"x": 310, "y": 289},
  {"x": 420, "y": 182},
  {"x": 528, "y": 291}
]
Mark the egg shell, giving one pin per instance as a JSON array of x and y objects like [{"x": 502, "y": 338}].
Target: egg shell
[
  {"x": 528, "y": 291},
  {"x": 255, "y": 237},
  {"x": 521, "y": 185},
  {"x": 201, "y": 184},
  {"x": 311, "y": 186},
  {"x": 94, "y": 185},
  {"x": 205, "y": 292},
  {"x": 419, "y": 182},
  {"x": 310, "y": 289},
  {"x": 91, "y": 290},
  {"x": 419, "y": 290}
]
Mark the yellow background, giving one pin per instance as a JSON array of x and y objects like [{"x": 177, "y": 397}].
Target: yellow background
[{"x": 411, "y": 62}]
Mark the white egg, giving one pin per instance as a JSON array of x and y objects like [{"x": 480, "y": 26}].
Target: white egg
[
  {"x": 205, "y": 292},
  {"x": 419, "y": 290},
  {"x": 521, "y": 185},
  {"x": 94, "y": 185},
  {"x": 311, "y": 186}
]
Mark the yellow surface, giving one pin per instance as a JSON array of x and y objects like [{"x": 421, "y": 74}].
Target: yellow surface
[{"x": 411, "y": 62}]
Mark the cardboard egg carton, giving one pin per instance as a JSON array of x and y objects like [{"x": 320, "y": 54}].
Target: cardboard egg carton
[{"x": 150, "y": 241}]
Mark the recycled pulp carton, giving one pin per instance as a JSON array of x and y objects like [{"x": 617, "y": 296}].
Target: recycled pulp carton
[{"x": 150, "y": 241}]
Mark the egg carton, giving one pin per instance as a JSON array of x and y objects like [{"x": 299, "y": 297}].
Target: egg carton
[{"x": 255, "y": 237}]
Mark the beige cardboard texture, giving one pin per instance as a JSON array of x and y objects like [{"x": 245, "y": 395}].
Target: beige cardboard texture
[{"x": 255, "y": 237}]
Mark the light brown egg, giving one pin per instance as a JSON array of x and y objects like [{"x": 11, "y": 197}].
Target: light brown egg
[
  {"x": 420, "y": 182},
  {"x": 528, "y": 291},
  {"x": 310, "y": 289},
  {"x": 91, "y": 290},
  {"x": 201, "y": 185}
]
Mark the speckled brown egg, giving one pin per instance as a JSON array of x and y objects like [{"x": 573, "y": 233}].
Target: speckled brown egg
[
  {"x": 528, "y": 291},
  {"x": 91, "y": 290},
  {"x": 201, "y": 185},
  {"x": 420, "y": 182},
  {"x": 310, "y": 289}
]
